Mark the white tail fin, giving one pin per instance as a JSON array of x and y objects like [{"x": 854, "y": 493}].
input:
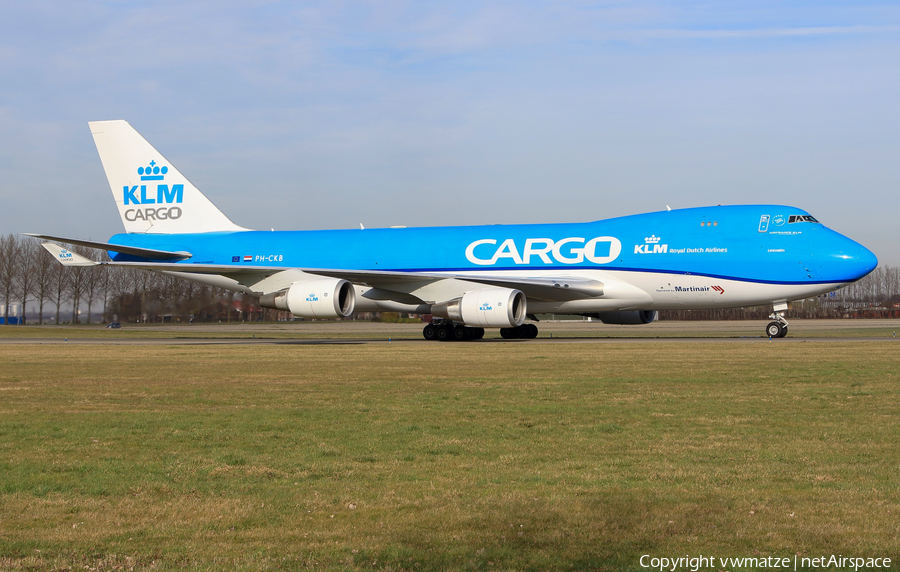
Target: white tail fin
[{"x": 152, "y": 196}]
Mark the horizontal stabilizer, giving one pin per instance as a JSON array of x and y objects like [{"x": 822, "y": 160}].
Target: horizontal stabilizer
[
  {"x": 148, "y": 253},
  {"x": 67, "y": 257}
]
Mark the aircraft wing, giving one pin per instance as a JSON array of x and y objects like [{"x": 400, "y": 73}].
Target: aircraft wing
[
  {"x": 537, "y": 288},
  {"x": 556, "y": 288}
]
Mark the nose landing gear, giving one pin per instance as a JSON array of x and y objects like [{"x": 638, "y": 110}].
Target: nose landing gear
[{"x": 778, "y": 328}]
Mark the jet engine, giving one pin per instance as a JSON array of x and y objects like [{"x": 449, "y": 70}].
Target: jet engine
[
  {"x": 487, "y": 308},
  {"x": 632, "y": 317},
  {"x": 322, "y": 298}
]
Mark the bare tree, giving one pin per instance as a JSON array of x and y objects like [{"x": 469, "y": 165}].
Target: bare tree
[
  {"x": 107, "y": 280},
  {"x": 136, "y": 293},
  {"x": 76, "y": 282},
  {"x": 92, "y": 276},
  {"x": 9, "y": 262},
  {"x": 25, "y": 275},
  {"x": 115, "y": 285},
  {"x": 59, "y": 286},
  {"x": 43, "y": 279},
  {"x": 143, "y": 284}
]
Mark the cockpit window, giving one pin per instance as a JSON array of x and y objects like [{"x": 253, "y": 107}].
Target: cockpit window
[{"x": 801, "y": 218}]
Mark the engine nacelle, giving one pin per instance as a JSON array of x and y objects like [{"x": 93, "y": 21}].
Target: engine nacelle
[
  {"x": 632, "y": 317},
  {"x": 321, "y": 298},
  {"x": 488, "y": 308}
]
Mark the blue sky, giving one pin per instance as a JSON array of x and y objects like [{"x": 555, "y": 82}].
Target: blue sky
[{"x": 326, "y": 114}]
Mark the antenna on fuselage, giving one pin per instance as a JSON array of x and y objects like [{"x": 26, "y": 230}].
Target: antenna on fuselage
[{"x": 668, "y": 208}]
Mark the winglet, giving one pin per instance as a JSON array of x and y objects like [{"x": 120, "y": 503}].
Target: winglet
[{"x": 67, "y": 257}]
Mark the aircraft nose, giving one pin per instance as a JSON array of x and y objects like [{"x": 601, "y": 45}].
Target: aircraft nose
[
  {"x": 842, "y": 259},
  {"x": 866, "y": 261}
]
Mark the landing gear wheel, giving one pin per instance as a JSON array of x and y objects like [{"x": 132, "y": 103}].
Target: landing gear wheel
[
  {"x": 461, "y": 333},
  {"x": 430, "y": 332},
  {"x": 476, "y": 333},
  {"x": 444, "y": 333},
  {"x": 776, "y": 330},
  {"x": 524, "y": 332},
  {"x": 528, "y": 331}
]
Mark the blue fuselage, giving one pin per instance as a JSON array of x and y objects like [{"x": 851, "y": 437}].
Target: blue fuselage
[{"x": 757, "y": 243}]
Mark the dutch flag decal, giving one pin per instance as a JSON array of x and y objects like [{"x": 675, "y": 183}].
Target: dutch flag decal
[{"x": 248, "y": 258}]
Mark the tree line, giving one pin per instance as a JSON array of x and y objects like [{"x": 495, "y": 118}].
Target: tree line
[{"x": 32, "y": 280}]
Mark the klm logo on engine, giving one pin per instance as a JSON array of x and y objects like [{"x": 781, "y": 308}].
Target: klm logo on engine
[
  {"x": 651, "y": 246},
  {"x": 146, "y": 195}
]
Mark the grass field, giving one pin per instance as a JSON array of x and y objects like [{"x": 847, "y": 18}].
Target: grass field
[{"x": 503, "y": 456}]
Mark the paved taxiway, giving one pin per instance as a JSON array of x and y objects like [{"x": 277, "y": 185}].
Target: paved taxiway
[{"x": 350, "y": 333}]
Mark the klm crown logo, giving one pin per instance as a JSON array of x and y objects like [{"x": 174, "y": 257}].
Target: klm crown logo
[
  {"x": 152, "y": 173},
  {"x": 651, "y": 246},
  {"x": 142, "y": 195}
]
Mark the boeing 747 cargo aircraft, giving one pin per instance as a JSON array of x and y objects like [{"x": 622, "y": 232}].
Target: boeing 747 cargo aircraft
[{"x": 620, "y": 270}]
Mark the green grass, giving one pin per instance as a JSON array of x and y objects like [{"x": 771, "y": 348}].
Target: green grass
[
  {"x": 235, "y": 330},
  {"x": 444, "y": 456}
]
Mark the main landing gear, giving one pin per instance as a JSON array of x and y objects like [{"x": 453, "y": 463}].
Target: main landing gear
[
  {"x": 778, "y": 328},
  {"x": 447, "y": 331},
  {"x": 450, "y": 332},
  {"x": 525, "y": 332}
]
